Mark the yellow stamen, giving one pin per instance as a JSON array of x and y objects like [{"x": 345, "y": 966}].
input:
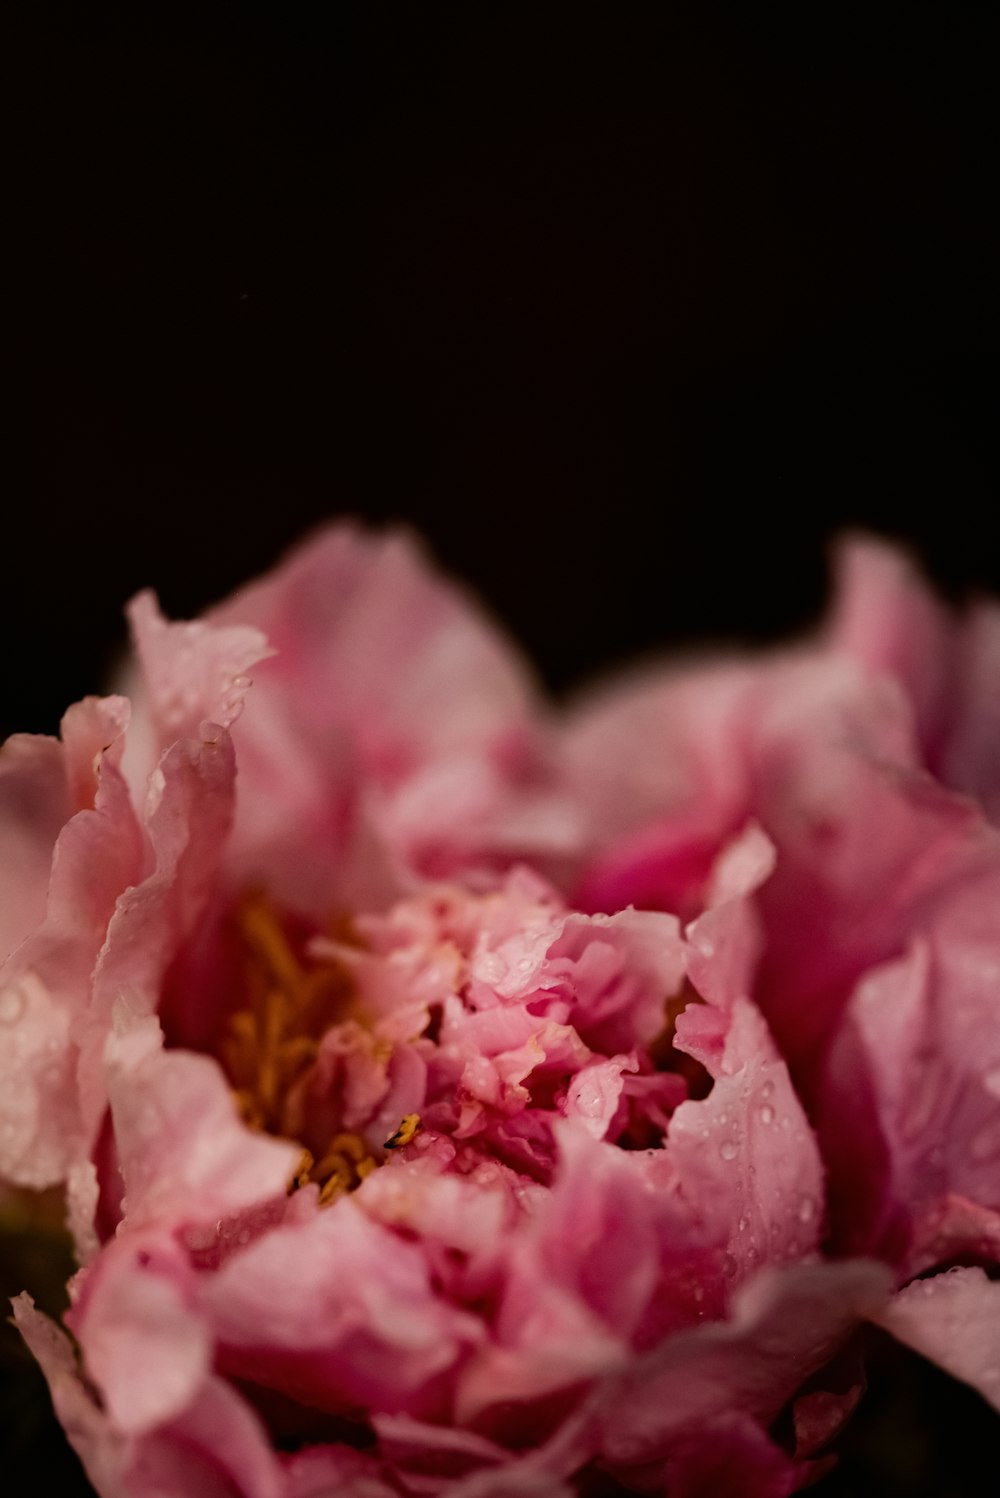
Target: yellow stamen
[
  {"x": 404, "y": 1133},
  {"x": 301, "y": 1175},
  {"x": 273, "y": 1042}
]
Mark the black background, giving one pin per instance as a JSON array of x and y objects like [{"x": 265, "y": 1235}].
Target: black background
[{"x": 628, "y": 310}]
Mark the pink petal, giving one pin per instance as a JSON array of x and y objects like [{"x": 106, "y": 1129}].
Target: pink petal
[
  {"x": 785, "y": 1325},
  {"x": 103, "y": 1450},
  {"x": 745, "y": 1157},
  {"x": 374, "y": 1333},
  {"x": 381, "y": 672},
  {"x": 45, "y": 985},
  {"x": 188, "y": 815},
  {"x": 953, "y": 1319},
  {"x": 184, "y": 1154},
  {"x": 194, "y": 672},
  {"x": 144, "y": 1344}
]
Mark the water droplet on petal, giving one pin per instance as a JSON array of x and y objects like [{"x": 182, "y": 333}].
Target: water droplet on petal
[
  {"x": 807, "y": 1209},
  {"x": 728, "y": 1150},
  {"x": 767, "y": 1114}
]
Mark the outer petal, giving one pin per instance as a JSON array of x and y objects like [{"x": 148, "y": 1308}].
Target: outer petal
[
  {"x": 103, "y": 1450},
  {"x": 885, "y": 616},
  {"x": 659, "y": 764},
  {"x": 911, "y": 1090},
  {"x": 381, "y": 673},
  {"x": 188, "y": 816},
  {"x": 954, "y": 1319},
  {"x": 193, "y": 671},
  {"x": 786, "y": 1325},
  {"x": 45, "y": 985},
  {"x": 215, "y": 1447},
  {"x": 949, "y": 668},
  {"x": 746, "y": 1160}
]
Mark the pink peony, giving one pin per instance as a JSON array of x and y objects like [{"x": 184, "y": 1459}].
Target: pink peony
[{"x": 453, "y": 1098}]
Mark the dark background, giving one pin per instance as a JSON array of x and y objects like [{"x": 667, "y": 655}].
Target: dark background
[{"x": 628, "y": 310}]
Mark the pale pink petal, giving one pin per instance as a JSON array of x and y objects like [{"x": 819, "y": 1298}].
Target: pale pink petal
[
  {"x": 144, "y": 1344},
  {"x": 746, "y": 1158},
  {"x": 194, "y": 672},
  {"x": 381, "y": 671},
  {"x": 215, "y": 1448},
  {"x": 45, "y": 985},
  {"x": 103, "y": 1450},
  {"x": 953, "y": 1319},
  {"x": 185, "y": 1155},
  {"x": 463, "y": 1222},
  {"x": 659, "y": 762},
  {"x": 842, "y": 898},
  {"x": 726, "y": 941},
  {"x": 594, "y": 1094},
  {"x": 886, "y": 617},
  {"x": 188, "y": 816},
  {"x": 580, "y": 1283},
  {"x": 948, "y": 666},
  {"x": 373, "y": 1333},
  {"x": 224, "y": 1443},
  {"x": 619, "y": 971},
  {"x": 911, "y": 1090}
]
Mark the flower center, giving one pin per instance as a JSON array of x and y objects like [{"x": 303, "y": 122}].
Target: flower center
[{"x": 273, "y": 1043}]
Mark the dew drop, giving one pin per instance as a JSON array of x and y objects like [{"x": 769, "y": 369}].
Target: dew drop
[
  {"x": 728, "y": 1150},
  {"x": 807, "y": 1209},
  {"x": 767, "y": 1114}
]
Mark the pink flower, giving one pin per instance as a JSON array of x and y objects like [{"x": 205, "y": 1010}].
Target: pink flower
[
  {"x": 454, "y": 1100},
  {"x": 868, "y": 757}
]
